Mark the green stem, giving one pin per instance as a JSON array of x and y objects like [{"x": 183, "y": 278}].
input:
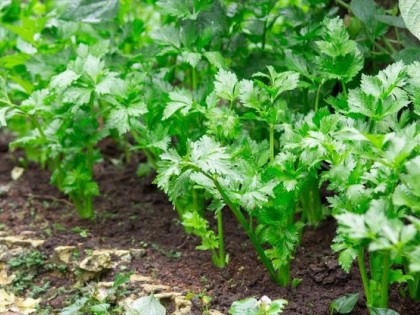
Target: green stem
[
  {"x": 57, "y": 166},
  {"x": 85, "y": 207},
  {"x": 343, "y": 4},
  {"x": 389, "y": 46},
  {"x": 344, "y": 88},
  {"x": 264, "y": 35},
  {"x": 150, "y": 158},
  {"x": 311, "y": 201},
  {"x": 382, "y": 49},
  {"x": 89, "y": 158},
  {"x": 251, "y": 222},
  {"x": 363, "y": 273},
  {"x": 146, "y": 152},
  {"x": 397, "y": 35},
  {"x": 88, "y": 208},
  {"x": 271, "y": 143},
  {"x": 240, "y": 217},
  {"x": 284, "y": 275},
  {"x": 222, "y": 256},
  {"x": 317, "y": 95},
  {"x": 196, "y": 204},
  {"x": 38, "y": 127},
  {"x": 127, "y": 150},
  {"x": 193, "y": 78},
  {"x": 414, "y": 286},
  {"x": 385, "y": 279},
  {"x": 372, "y": 126},
  {"x": 242, "y": 221}
]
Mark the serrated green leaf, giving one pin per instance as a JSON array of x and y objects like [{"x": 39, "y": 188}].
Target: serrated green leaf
[
  {"x": 346, "y": 258},
  {"x": 90, "y": 11},
  {"x": 77, "y": 95},
  {"x": 215, "y": 58},
  {"x": 64, "y": 79},
  {"x": 192, "y": 58},
  {"x": 225, "y": 85},
  {"x": 180, "y": 100},
  {"x": 92, "y": 67},
  {"x": 178, "y": 8},
  {"x": 167, "y": 36},
  {"x": 120, "y": 117},
  {"x": 210, "y": 157},
  {"x": 110, "y": 84}
]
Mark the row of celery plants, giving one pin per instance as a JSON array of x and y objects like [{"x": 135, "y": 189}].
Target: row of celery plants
[{"x": 260, "y": 147}]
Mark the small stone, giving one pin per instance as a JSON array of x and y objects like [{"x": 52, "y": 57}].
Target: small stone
[
  {"x": 138, "y": 252},
  {"x": 332, "y": 264},
  {"x": 319, "y": 277},
  {"x": 328, "y": 280},
  {"x": 317, "y": 268}
]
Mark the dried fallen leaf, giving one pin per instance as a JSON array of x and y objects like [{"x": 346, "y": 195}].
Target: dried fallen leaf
[
  {"x": 63, "y": 253},
  {"x": 26, "y": 306},
  {"x": 98, "y": 261},
  {"x": 4, "y": 278},
  {"x": 20, "y": 241},
  {"x": 6, "y": 300},
  {"x": 182, "y": 306},
  {"x": 138, "y": 278},
  {"x": 153, "y": 288},
  {"x": 9, "y": 302}
]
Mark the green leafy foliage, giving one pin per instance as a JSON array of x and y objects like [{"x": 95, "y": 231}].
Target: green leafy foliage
[
  {"x": 253, "y": 107},
  {"x": 90, "y": 302},
  {"x": 410, "y": 11},
  {"x": 344, "y": 304},
  {"x": 252, "y": 306},
  {"x": 147, "y": 305},
  {"x": 90, "y": 12},
  {"x": 340, "y": 57}
]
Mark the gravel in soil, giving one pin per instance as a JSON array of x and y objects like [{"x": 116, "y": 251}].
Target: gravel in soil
[{"x": 132, "y": 213}]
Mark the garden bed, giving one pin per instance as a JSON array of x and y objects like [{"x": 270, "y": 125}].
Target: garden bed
[{"x": 132, "y": 213}]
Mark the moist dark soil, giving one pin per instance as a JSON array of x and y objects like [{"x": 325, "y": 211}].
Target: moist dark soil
[{"x": 133, "y": 213}]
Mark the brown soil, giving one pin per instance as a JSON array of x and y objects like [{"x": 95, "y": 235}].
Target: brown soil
[{"x": 132, "y": 213}]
